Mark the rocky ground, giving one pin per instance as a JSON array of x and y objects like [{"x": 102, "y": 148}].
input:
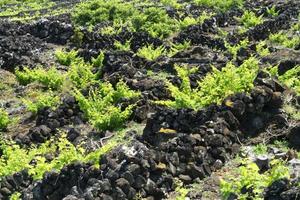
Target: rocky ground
[{"x": 165, "y": 152}]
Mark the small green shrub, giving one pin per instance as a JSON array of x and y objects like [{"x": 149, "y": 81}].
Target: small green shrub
[
  {"x": 262, "y": 49},
  {"x": 38, "y": 101},
  {"x": 150, "y": 52},
  {"x": 15, "y": 196},
  {"x": 260, "y": 149},
  {"x": 290, "y": 78},
  {"x": 123, "y": 47},
  {"x": 101, "y": 106},
  {"x": 216, "y": 86},
  {"x": 14, "y": 158},
  {"x": 66, "y": 58},
  {"x": 190, "y": 20},
  {"x": 249, "y": 19},
  {"x": 272, "y": 11},
  {"x": 77, "y": 37},
  {"x": 284, "y": 40},
  {"x": 248, "y": 177},
  {"x": 221, "y": 5},
  {"x": 4, "y": 119},
  {"x": 234, "y": 49},
  {"x": 81, "y": 73},
  {"x": 51, "y": 78},
  {"x": 175, "y": 48}
]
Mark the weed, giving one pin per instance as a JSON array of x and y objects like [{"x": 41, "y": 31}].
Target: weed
[
  {"x": 4, "y": 119},
  {"x": 150, "y": 52},
  {"x": 214, "y": 87},
  {"x": 66, "y": 58},
  {"x": 51, "y": 78}
]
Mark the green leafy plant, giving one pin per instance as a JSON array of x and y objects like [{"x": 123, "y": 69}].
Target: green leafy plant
[
  {"x": 248, "y": 178},
  {"x": 101, "y": 106},
  {"x": 234, "y": 49},
  {"x": 150, "y": 52},
  {"x": 123, "y": 47},
  {"x": 190, "y": 20},
  {"x": 37, "y": 101},
  {"x": 290, "y": 78},
  {"x": 175, "y": 48},
  {"x": 284, "y": 40},
  {"x": 262, "y": 49},
  {"x": 260, "y": 149},
  {"x": 220, "y": 4},
  {"x": 15, "y": 196},
  {"x": 51, "y": 78},
  {"x": 77, "y": 37},
  {"x": 214, "y": 87},
  {"x": 172, "y": 3},
  {"x": 66, "y": 58},
  {"x": 249, "y": 19},
  {"x": 180, "y": 190},
  {"x": 4, "y": 119},
  {"x": 14, "y": 158},
  {"x": 81, "y": 73},
  {"x": 272, "y": 11}
]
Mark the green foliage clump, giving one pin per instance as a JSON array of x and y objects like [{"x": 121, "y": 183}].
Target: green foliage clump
[
  {"x": 175, "y": 48},
  {"x": 51, "y": 78},
  {"x": 221, "y": 5},
  {"x": 181, "y": 191},
  {"x": 262, "y": 49},
  {"x": 216, "y": 86},
  {"x": 189, "y": 20},
  {"x": 81, "y": 73},
  {"x": 272, "y": 11},
  {"x": 4, "y": 119},
  {"x": 121, "y": 14},
  {"x": 38, "y": 101},
  {"x": 156, "y": 22},
  {"x": 284, "y": 40},
  {"x": 101, "y": 106},
  {"x": 150, "y": 52},
  {"x": 15, "y": 196},
  {"x": 14, "y": 158},
  {"x": 248, "y": 177},
  {"x": 123, "y": 47},
  {"x": 249, "y": 19},
  {"x": 66, "y": 58},
  {"x": 97, "y": 11},
  {"x": 290, "y": 78},
  {"x": 234, "y": 49},
  {"x": 260, "y": 149}
]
